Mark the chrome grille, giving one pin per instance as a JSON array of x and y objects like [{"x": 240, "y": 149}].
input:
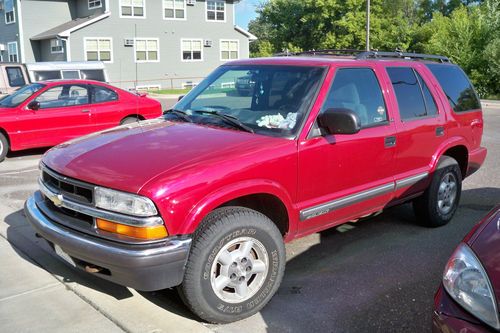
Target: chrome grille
[{"x": 70, "y": 188}]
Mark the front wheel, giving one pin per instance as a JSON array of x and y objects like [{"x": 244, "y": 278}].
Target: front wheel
[
  {"x": 4, "y": 147},
  {"x": 439, "y": 202},
  {"x": 236, "y": 265}
]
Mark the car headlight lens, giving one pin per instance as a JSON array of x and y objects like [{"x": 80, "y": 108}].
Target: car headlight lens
[
  {"x": 467, "y": 283},
  {"x": 125, "y": 203}
]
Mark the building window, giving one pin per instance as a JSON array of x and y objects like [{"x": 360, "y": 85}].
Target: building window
[
  {"x": 216, "y": 10},
  {"x": 93, "y": 4},
  {"x": 13, "y": 54},
  {"x": 192, "y": 49},
  {"x": 133, "y": 8},
  {"x": 174, "y": 9},
  {"x": 147, "y": 50},
  {"x": 10, "y": 14},
  {"x": 229, "y": 50},
  {"x": 56, "y": 46},
  {"x": 99, "y": 49}
]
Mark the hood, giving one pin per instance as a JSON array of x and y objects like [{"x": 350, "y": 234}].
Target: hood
[
  {"x": 127, "y": 157},
  {"x": 486, "y": 245}
]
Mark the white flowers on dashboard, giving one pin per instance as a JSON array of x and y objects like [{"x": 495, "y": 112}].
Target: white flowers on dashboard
[{"x": 278, "y": 121}]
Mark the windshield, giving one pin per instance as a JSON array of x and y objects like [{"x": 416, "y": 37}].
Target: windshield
[
  {"x": 20, "y": 95},
  {"x": 271, "y": 100}
]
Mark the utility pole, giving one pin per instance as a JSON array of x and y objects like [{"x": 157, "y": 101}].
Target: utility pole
[{"x": 367, "y": 25}]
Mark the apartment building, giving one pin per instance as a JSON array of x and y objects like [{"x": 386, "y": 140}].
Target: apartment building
[{"x": 145, "y": 43}]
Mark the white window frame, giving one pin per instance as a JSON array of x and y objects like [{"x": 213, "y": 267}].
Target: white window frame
[
  {"x": 11, "y": 54},
  {"x": 225, "y": 12},
  {"x": 146, "y": 39},
  {"x": 92, "y": 4},
  {"x": 98, "y": 55},
  {"x": 132, "y": 16},
  {"x": 174, "y": 18},
  {"x": 191, "y": 40},
  {"x": 220, "y": 49},
  {"x": 59, "y": 43},
  {"x": 13, "y": 11}
]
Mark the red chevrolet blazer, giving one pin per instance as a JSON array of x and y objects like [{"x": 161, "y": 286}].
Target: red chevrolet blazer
[
  {"x": 205, "y": 198},
  {"x": 44, "y": 114}
]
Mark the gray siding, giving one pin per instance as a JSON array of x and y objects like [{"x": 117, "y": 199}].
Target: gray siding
[
  {"x": 47, "y": 55},
  {"x": 82, "y": 8},
  {"x": 9, "y": 33},
  {"x": 42, "y": 15},
  {"x": 170, "y": 69}
]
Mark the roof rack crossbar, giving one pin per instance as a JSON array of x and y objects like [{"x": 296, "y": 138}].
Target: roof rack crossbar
[
  {"x": 404, "y": 55},
  {"x": 363, "y": 55}
]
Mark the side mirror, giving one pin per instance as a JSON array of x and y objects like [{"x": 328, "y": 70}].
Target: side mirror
[
  {"x": 180, "y": 97},
  {"x": 34, "y": 105},
  {"x": 340, "y": 121}
]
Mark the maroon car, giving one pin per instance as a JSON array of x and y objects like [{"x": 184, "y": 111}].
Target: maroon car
[{"x": 467, "y": 300}]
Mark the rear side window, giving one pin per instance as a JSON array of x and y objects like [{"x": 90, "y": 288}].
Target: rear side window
[
  {"x": 414, "y": 97},
  {"x": 103, "y": 94},
  {"x": 456, "y": 86},
  {"x": 47, "y": 75},
  {"x": 430, "y": 104},
  {"x": 15, "y": 76},
  {"x": 93, "y": 74},
  {"x": 358, "y": 89}
]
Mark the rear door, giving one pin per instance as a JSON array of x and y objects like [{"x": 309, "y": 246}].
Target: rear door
[
  {"x": 107, "y": 109},
  {"x": 345, "y": 176},
  {"x": 420, "y": 124},
  {"x": 64, "y": 114}
]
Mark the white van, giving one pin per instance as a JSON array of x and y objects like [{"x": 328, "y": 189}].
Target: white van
[{"x": 15, "y": 75}]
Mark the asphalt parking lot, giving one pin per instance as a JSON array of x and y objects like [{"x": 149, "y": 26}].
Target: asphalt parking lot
[{"x": 377, "y": 275}]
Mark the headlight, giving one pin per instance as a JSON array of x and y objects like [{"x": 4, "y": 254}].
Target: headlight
[
  {"x": 467, "y": 283},
  {"x": 125, "y": 203}
]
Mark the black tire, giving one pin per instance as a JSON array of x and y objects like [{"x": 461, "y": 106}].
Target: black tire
[
  {"x": 220, "y": 229},
  {"x": 129, "y": 120},
  {"x": 430, "y": 208},
  {"x": 4, "y": 147}
]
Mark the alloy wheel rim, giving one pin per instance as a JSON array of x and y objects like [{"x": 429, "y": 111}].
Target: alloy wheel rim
[
  {"x": 1, "y": 148},
  {"x": 447, "y": 193},
  {"x": 239, "y": 270}
]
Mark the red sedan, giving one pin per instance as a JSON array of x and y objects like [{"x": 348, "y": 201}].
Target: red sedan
[{"x": 47, "y": 113}]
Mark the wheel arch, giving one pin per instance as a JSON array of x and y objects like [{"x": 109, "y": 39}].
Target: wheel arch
[
  {"x": 455, "y": 148},
  {"x": 266, "y": 197}
]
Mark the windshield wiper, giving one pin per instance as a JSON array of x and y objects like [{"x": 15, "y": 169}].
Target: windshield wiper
[
  {"x": 180, "y": 114},
  {"x": 229, "y": 119}
]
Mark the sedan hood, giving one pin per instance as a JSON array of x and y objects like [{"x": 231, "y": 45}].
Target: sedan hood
[
  {"x": 127, "y": 157},
  {"x": 486, "y": 245}
]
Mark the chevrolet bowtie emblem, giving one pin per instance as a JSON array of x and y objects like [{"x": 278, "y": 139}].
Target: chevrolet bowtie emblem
[{"x": 57, "y": 200}]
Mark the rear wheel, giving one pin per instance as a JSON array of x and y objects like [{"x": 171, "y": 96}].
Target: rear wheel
[
  {"x": 236, "y": 265},
  {"x": 439, "y": 202},
  {"x": 129, "y": 120},
  {"x": 4, "y": 147}
]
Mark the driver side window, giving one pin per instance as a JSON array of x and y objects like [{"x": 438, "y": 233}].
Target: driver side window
[
  {"x": 357, "y": 89},
  {"x": 63, "y": 96}
]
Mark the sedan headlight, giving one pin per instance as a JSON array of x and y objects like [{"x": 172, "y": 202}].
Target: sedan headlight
[
  {"x": 125, "y": 203},
  {"x": 467, "y": 283}
]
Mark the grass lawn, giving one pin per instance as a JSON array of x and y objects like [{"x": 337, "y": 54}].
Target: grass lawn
[{"x": 171, "y": 91}]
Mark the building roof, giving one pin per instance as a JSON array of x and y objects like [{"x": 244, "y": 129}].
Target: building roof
[
  {"x": 244, "y": 32},
  {"x": 65, "y": 29}
]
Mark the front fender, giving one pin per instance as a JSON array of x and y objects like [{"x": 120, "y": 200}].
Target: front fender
[{"x": 234, "y": 191}]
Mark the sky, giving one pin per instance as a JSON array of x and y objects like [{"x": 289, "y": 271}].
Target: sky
[{"x": 245, "y": 11}]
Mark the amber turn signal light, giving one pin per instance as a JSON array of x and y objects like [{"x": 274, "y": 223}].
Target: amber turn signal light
[{"x": 155, "y": 232}]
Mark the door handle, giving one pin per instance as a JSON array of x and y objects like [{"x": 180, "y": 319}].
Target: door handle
[
  {"x": 389, "y": 141},
  {"x": 85, "y": 111},
  {"x": 439, "y": 131}
]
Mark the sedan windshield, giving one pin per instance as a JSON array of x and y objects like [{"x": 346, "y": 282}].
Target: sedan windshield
[
  {"x": 270, "y": 100},
  {"x": 20, "y": 95}
]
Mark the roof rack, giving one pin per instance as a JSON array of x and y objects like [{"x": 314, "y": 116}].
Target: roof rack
[
  {"x": 403, "y": 55},
  {"x": 363, "y": 55}
]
